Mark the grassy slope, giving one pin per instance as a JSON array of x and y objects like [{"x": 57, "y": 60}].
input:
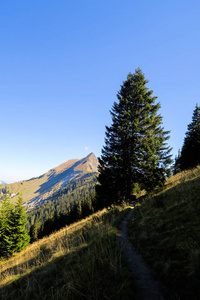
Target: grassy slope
[
  {"x": 81, "y": 261},
  {"x": 166, "y": 229}
]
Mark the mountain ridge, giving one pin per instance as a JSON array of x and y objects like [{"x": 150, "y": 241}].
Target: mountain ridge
[{"x": 38, "y": 189}]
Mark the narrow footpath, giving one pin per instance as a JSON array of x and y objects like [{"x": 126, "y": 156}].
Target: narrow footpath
[{"x": 148, "y": 288}]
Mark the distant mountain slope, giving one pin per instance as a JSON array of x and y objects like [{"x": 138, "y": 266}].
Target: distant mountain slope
[
  {"x": 36, "y": 190},
  {"x": 2, "y": 182}
]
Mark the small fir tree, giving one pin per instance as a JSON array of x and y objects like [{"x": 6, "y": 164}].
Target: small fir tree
[
  {"x": 6, "y": 227},
  {"x": 13, "y": 234},
  {"x": 190, "y": 152},
  {"x": 21, "y": 237},
  {"x": 135, "y": 148}
]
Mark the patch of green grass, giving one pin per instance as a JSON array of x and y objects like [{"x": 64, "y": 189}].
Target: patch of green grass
[{"x": 166, "y": 229}]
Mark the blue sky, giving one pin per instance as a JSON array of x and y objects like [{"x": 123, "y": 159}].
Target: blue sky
[{"x": 62, "y": 64}]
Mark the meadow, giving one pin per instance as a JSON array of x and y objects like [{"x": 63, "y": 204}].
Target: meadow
[
  {"x": 166, "y": 230},
  {"x": 81, "y": 261}
]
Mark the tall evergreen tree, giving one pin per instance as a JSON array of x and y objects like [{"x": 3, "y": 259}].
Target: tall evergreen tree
[
  {"x": 21, "y": 238},
  {"x": 190, "y": 152},
  {"x": 135, "y": 148}
]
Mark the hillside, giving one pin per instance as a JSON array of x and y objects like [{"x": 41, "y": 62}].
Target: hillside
[
  {"x": 36, "y": 190},
  {"x": 81, "y": 261},
  {"x": 166, "y": 230}
]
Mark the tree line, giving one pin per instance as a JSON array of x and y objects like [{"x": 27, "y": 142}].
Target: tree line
[
  {"x": 75, "y": 212},
  {"x": 189, "y": 156},
  {"x": 63, "y": 200}
]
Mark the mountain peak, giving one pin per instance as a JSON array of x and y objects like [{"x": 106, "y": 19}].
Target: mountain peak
[
  {"x": 91, "y": 154},
  {"x": 39, "y": 189},
  {"x": 88, "y": 164}
]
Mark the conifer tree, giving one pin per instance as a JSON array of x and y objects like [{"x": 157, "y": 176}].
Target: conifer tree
[
  {"x": 13, "y": 234},
  {"x": 34, "y": 231},
  {"x": 135, "y": 149},
  {"x": 21, "y": 238},
  {"x": 6, "y": 227},
  {"x": 189, "y": 156},
  {"x": 176, "y": 167},
  {"x": 79, "y": 210}
]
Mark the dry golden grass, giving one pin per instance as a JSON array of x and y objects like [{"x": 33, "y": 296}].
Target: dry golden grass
[
  {"x": 56, "y": 242},
  {"x": 183, "y": 177},
  {"x": 166, "y": 230},
  {"x": 81, "y": 261}
]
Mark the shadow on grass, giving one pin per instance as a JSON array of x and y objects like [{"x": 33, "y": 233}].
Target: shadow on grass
[
  {"x": 92, "y": 271},
  {"x": 45, "y": 282},
  {"x": 167, "y": 233}
]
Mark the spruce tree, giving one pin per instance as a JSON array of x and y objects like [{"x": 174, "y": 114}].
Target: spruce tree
[
  {"x": 190, "y": 152},
  {"x": 6, "y": 227},
  {"x": 79, "y": 210},
  {"x": 20, "y": 234},
  {"x": 35, "y": 231},
  {"x": 135, "y": 149},
  {"x": 13, "y": 234}
]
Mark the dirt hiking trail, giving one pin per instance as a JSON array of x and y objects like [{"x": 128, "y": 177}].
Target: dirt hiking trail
[{"x": 148, "y": 288}]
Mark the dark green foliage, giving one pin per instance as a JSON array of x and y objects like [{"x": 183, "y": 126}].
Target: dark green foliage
[
  {"x": 6, "y": 227},
  {"x": 13, "y": 234},
  {"x": 189, "y": 157},
  {"x": 79, "y": 210},
  {"x": 63, "y": 200},
  {"x": 20, "y": 235},
  {"x": 75, "y": 201},
  {"x": 34, "y": 231},
  {"x": 54, "y": 222},
  {"x": 176, "y": 168},
  {"x": 135, "y": 150}
]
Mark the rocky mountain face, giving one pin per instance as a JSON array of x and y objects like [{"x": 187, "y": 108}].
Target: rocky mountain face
[{"x": 37, "y": 190}]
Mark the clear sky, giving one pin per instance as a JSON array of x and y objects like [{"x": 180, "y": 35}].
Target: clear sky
[{"x": 62, "y": 64}]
